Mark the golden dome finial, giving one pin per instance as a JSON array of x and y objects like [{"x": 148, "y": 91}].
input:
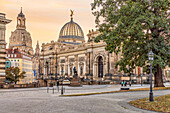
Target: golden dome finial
[{"x": 72, "y": 11}]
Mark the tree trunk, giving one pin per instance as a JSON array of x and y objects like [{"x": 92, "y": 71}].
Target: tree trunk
[{"x": 158, "y": 82}]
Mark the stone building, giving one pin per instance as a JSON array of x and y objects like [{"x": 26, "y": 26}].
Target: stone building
[
  {"x": 21, "y": 38},
  {"x": 3, "y": 22},
  {"x": 89, "y": 58}
]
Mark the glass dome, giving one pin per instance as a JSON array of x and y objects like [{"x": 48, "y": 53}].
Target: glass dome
[{"x": 71, "y": 30}]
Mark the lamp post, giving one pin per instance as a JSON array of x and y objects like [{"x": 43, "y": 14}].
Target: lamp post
[
  {"x": 150, "y": 57},
  {"x": 62, "y": 82},
  {"x": 141, "y": 79}
]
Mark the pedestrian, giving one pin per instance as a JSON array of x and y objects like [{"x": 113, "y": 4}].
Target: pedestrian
[
  {"x": 122, "y": 83},
  {"x": 125, "y": 83},
  {"x": 58, "y": 85},
  {"x": 130, "y": 83}
]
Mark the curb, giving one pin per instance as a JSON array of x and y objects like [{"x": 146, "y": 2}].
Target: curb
[{"x": 131, "y": 90}]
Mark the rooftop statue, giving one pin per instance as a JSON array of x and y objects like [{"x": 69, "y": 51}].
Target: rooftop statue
[{"x": 72, "y": 11}]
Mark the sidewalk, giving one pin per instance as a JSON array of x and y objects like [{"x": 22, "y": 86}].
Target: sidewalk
[{"x": 80, "y": 90}]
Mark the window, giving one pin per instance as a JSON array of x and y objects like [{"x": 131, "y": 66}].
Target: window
[
  {"x": 11, "y": 55},
  {"x": 23, "y": 38},
  {"x": 167, "y": 72},
  {"x": 62, "y": 70}
]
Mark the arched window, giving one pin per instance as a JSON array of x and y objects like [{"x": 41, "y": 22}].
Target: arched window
[
  {"x": 23, "y": 38},
  {"x": 19, "y": 21},
  {"x": 100, "y": 67}
]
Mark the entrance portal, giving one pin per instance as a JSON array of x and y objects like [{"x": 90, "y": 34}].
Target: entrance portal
[{"x": 100, "y": 67}]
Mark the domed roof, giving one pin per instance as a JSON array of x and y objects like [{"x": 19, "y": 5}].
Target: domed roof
[{"x": 71, "y": 30}]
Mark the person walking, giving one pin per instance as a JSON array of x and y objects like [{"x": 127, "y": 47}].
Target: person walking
[
  {"x": 125, "y": 83},
  {"x": 130, "y": 83},
  {"x": 122, "y": 83},
  {"x": 58, "y": 85}
]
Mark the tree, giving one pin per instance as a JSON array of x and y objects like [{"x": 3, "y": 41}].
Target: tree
[
  {"x": 13, "y": 74},
  {"x": 134, "y": 27}
]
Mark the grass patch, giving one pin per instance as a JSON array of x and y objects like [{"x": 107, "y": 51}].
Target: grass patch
[
  {"x": 154, "y": 88},
  {"x": 124, "y": 107},
  {"x": 160, "y": 104}
]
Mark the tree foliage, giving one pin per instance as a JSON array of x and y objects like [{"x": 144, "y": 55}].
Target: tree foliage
[
  {"x": 134, "y": 27},
  {"x": 13, "y": 74}
]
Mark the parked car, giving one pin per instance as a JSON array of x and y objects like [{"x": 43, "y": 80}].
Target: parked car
[{"x": 66, "y": 82}]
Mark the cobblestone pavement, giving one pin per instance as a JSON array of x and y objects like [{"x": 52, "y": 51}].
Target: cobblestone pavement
[{"x": 39, "y": 101}]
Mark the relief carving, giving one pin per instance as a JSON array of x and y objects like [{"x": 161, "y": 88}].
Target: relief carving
[
  {"x": 71, "y": 60},
  {"x": 81, "y": 59}
]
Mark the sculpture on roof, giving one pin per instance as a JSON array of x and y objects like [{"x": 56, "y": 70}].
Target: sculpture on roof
[{"x": 72, "y": 11}]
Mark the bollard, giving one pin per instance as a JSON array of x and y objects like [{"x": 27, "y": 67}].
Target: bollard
[
  {"x": 58, "y": 88},
  {"x": 53, "y": 90},
  {"x": 47, "y": 89}
]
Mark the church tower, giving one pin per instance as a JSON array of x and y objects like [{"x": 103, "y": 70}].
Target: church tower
[
  {"x": 21, "y": 21},
  {"x": 37, "y": 49},
  {"x": 20, "y": 38}
]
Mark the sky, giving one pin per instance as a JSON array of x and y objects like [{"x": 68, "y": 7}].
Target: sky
[{"x": 45, "y": 18}]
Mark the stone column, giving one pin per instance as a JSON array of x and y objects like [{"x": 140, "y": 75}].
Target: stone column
[
  {"x": 66, "y": 64},
  {"x": 91, "y": 62},
  {"x": 87, "y": 62},
  {"x": 76, "y": 62},
  {"x": 3, "y": 22}
]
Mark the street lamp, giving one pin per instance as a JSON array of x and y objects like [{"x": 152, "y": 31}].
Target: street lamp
[
  {"x": 62, "y": 82},
  {"x": 150, "y": 57}
]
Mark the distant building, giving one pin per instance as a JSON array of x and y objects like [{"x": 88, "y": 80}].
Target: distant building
[
  {"x": 22, "y": 60},
  {"x": 20, "y": 38},
  {"x": 36, "y": 60},
  {"x": 20, "y": 42},
  {"x": 3, "y": 22}
]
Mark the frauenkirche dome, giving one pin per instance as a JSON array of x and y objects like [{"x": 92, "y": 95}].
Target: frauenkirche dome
[{"x": 71, "y": 33}]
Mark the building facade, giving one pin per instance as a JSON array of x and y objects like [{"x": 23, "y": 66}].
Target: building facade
[
  {"x": 89, "y": 58},
  {"x": 23, "y": 61},
  {"x": 3, "y": 22}
]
